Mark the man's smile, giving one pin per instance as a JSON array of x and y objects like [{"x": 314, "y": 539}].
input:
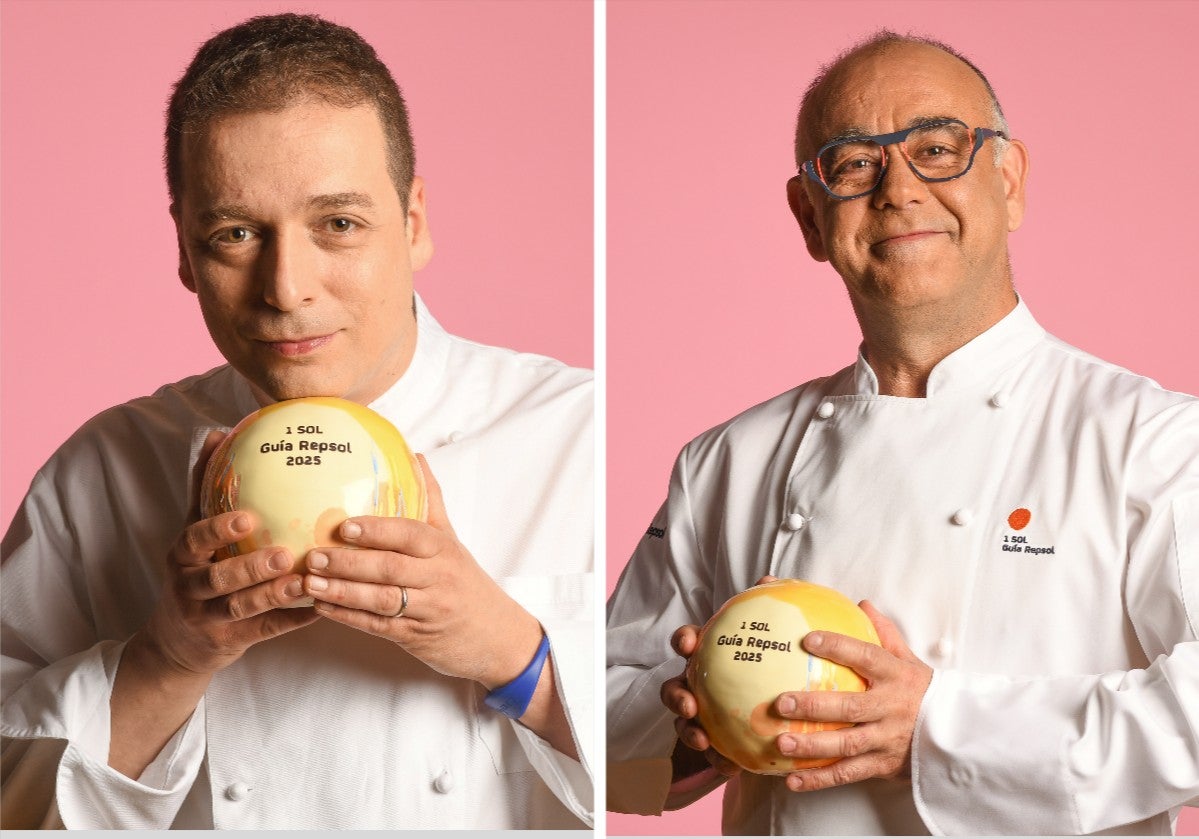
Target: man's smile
[
  {"x": 903, "y": 238},
  {"x": 299, "y": 346}
]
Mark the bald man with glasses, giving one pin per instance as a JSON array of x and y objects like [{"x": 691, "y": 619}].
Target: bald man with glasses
[{"x": 1020, "y": 519}]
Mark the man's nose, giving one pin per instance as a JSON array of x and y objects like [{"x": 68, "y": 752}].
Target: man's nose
[
  {"x": 289, "y": 272},
  {"x": 900, "y": 185}
]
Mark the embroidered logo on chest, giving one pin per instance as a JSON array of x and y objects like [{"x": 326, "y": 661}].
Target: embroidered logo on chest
[{"x": 1016, "y": 542}]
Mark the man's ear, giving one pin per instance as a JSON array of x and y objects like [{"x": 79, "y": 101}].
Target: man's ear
[
  {"x": 185, "y": 269},
  {"x": 805, "y": 214},
  {"x": 1015, "y": 173},
  {"x": 420, "y": 243}
]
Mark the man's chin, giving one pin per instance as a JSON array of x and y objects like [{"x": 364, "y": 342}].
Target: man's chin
[
  {"x": 268, "y": 390},
  {"x": 904, "y": 293}
]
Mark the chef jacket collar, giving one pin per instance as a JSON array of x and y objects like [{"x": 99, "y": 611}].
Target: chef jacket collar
[
  {"x": 973, "y": 367},
  {"x": 420, "y": 385}
]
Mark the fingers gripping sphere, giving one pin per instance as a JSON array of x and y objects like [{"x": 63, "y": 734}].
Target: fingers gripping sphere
[
  {"x": 750, "y": 652},
  {"x": 304, "y": 466}
]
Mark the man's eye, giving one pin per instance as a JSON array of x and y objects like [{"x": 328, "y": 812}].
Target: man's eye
[
  {"x": 855, "y": 168},
  {"x": 233, "y": 235},
  {"x": 341, "y": 225}
]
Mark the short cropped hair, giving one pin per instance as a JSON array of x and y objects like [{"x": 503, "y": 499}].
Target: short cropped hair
[
  {"x": 880, "y": 40},
  {"x": 270, "y": 62}
]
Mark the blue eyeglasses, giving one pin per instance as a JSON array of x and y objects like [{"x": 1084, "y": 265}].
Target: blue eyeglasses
[{"x": 936, "y": 151}]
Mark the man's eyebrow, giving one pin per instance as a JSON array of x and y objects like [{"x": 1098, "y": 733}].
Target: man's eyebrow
[
  {"x": 341, "y": 200},
  {"x": 915, "y": 121},
  {"x": 332, "y": 201},
  {"x": 225, "y": 212},
  {"x": 856, "y": 133},
  {"x": 852, "y": 133}
]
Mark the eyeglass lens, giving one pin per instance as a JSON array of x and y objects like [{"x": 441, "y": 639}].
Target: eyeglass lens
[{"x": 936, "y": 151}]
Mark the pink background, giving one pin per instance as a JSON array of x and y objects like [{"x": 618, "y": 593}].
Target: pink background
[
  {"x": 93, "y": 313},
  {"x": 713, "y": 303}
]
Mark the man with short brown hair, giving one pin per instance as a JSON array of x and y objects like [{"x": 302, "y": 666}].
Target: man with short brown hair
[{"x": 438, "y": 680}]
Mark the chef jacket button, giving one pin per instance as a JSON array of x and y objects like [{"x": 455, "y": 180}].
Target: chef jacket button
[
  {"x": 943, "y": 649},
  {"x": 454, "y": 437},
  {"x": 794, "y": 521},
  {"x": 999, "y": 399},
  {"x": 236, "y": 791},
  {"x": 961, "y": 774},
  {"x": 963, "y": 517},
  {"x": 444, "y": 782},
  {"x": 825, "y": 410}
]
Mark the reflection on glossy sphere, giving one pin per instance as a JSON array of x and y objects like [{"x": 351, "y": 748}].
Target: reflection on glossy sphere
[
  {"x": 750, "y": 652},
  {"x": 303, "y": 466}
]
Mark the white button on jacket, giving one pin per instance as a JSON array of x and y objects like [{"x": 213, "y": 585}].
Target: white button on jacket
[
  {"x": 1056, "y": 540},
  {"x": 236, "y": 791}
]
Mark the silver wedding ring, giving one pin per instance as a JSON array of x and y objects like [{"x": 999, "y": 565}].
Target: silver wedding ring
[{"x": 403, "y": 602}]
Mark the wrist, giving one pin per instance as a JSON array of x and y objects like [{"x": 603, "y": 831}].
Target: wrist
[
  {"x": 151, "y": 698},
  {"x": 512, "y": 699},
  {"x": 505, "y": 663},
  {"x": 156, "y": 662}
]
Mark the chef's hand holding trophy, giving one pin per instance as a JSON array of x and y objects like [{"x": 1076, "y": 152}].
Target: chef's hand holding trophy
[
  {"x": 316, "y": 507},
  {"x": 792, "y": 678}
]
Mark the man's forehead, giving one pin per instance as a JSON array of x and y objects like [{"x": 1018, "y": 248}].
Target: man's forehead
[
  {"x": 310, "y": 110},
  {"x": 334, "y": 154},
  {"x": 312, "y": 118},
  {"x": 894, "y": 86}
]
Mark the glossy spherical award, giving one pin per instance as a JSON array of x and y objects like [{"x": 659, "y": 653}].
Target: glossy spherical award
[
  {"x": 750, "y": 652},
  {"x": 303, "y": 466}
]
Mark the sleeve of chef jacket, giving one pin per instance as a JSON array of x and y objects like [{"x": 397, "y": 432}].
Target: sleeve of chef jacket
[
  {"x": 995, "y": 754},
  {"x": 571, "y": 634},
  {"x": 57, "y": 680},
  {"x": 561, "y": 595},
  {"x": 666, "y": 584}
]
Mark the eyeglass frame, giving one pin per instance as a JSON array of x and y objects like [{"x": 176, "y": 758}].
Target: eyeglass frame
[{"x": 809, "y": 167}]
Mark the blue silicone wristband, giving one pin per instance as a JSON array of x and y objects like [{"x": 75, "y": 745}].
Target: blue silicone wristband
[{"x": 512, "y": 699}]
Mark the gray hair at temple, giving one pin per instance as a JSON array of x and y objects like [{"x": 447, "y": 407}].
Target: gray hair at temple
[{"x": 881, "y": 40}]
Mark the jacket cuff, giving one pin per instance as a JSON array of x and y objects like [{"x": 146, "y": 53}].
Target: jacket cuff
[
  {"x": 570, "y": 780},
  {"x": 91, "y": 794},
  {"x": 69, "y": 701},
  {"x": 960, "y": 784},
  {"x": 641, "y": 741},
  {"x": 1056, "y": 755}
]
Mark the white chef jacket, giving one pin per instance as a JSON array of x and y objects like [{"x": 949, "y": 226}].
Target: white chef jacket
[
  {"x": 325, "y": 727},
  {"x": 1066, "y": 690}
]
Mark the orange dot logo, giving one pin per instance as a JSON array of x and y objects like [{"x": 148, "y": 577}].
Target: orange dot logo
[{"x": 1019, "y": 519}]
